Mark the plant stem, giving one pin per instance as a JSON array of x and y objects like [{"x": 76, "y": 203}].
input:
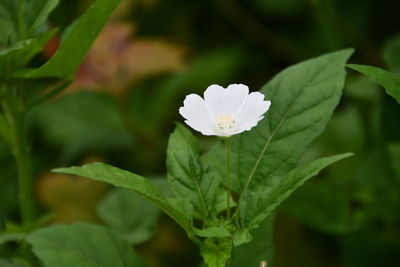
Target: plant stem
[
  {"x": 228, "y": 177},
  {"x": 21, "y": 152}
]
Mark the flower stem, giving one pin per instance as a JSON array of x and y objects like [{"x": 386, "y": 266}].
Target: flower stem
[{"x": 228, "y": 177}]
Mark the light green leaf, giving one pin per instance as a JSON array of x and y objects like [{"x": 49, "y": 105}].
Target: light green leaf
[
  {"x": 140, "y": 185},
  {"x": 7, "y": 237},
  {"x": 260, "y": 249},
  {"x": 131, "y": 217},
  {"x": 76, "y": 41},
  {"x": 259, "y": 203},
  {"x": 212, "y": 232},
  {"x": 216, "y": 251},
  {"x": 388, "y": 80},
  {"x": 185, "y": 173},
  {"x": 82, "y": 245}
]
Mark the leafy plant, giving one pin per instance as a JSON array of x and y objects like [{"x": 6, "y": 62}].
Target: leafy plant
[{"x": 264, "y": 160}]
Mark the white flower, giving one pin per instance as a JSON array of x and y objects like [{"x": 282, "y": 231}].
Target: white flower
[{"x": 224, "y": 112}]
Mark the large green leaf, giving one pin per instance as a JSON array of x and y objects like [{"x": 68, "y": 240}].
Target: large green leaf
[
  {"x": 388, "y": 80},
  {"x": 185, "y": 173},
  {"x": 76, "y": 41},
  {"x": 140, "y": 185},
  {"x": 259, "y": 203},
  {"x": 131, "y": 217},
  {"x": 303, "y": 98},
  {"x": 81, "y": 245}
]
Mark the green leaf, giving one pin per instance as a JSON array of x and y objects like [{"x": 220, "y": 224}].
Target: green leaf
[
  {"x": 391, "y": 53},
  {"x": 80, "y": 122},
  {"x": 39, "y": 10},
  {"x": 212, "y": 232},
  {"x": 131, "y": 217},
  {"x": 81, "y": 245},
  {"x": 303, "y": 98},
  {"x": 185, "y": 173},
  {"x": 388, "y": 80},
  {"x": 21, "y": 53},
  {"x": 258, "y": 204},
  {"x": 7, "y": 237},
  {"x": 260, "y": 249},
  {"x": 13, "y": 263},
  {"x": 140, "y": 185},
  {"x": 216, "y": 251},
  {"x": 76, "y": 41}
]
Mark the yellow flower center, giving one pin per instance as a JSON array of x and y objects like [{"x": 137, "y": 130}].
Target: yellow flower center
[{"x": 225, "y": 123}]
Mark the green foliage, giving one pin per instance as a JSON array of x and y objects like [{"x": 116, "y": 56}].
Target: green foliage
[
  {"x": 140, "y": 185},
  {"x": 258, "y": 204},
  {"x": 13, "y": 263},
  {"x": 303, "y": 99},
  {"x": 71, "y": 123},
  {"x": 216, "y": 251},
  {"x": 259, "y": 249},
  {"x": 391, "y": 53},
  {"x": 388, "y": 80},
  {"x": 81, "y": 245},
  {"x": 76, "y": 40},
  {"x": 130, "y": 216},
  {"x": 186, "y": 174}
]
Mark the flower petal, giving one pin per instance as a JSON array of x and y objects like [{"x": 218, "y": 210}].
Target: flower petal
[
  {"x": 197, "y": 114},
  {"x": 225, "y": 101},
  {"x": 252, "y": 111}
]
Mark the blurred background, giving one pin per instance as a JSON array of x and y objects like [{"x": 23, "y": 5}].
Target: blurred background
[{"x": 124, "y": 103}]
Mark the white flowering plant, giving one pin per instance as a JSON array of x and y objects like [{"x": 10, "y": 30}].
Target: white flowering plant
[{"x": 226, "y": 197}]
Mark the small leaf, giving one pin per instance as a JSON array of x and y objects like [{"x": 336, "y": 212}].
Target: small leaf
[
  {"x": 212, "y": 232},
  {"x": 388, "y": 80},
  {"x": 81, "y": 245},
  {"x": 185, "y": 173},
  {"x": 7, "y": 237},
  {"x": 259, "y": 249},
  {"x": 258, "y": 204},
  {"x": 39, "y": 12},
  {"x": 131, "y": 217},
  {"x": 140, "y": 185},
  {"x": 216, "y": 251},
  {"x": 76, "y": 41}
]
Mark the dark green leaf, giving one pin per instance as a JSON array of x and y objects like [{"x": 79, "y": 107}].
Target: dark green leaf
[
  {"x": 39, "y": 10},
  {"x": 13, "y": 263},
  {"x": 140, "y": 185},
  {"x": 260, "y": 249},
  {"x": 388, "y": 80},
  {"x": 131, "y": 217},
  {"x": 185, "y": 173},
  {"x": 80, "y": 122},
  {"x": 258, "y": 204},
  {"x": 81, "y": 245},
  {"x": 76, "y": 41}
]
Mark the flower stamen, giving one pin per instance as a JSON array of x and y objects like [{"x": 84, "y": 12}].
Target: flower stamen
[{"x": 225, "y": 123}]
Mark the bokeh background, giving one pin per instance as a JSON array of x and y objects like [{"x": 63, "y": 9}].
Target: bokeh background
[{"x": 124, "y": 103}]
